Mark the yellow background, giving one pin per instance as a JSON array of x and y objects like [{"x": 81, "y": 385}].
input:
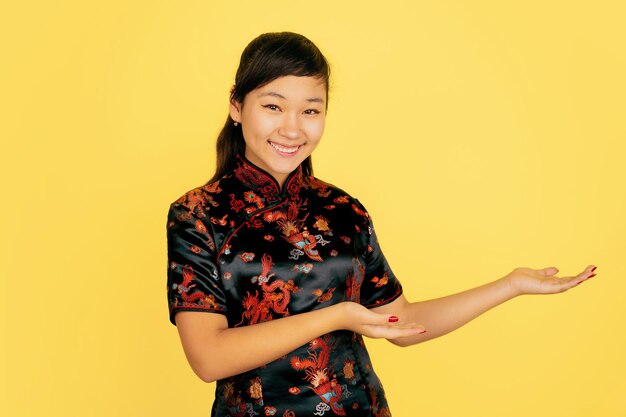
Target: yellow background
[{"x": 481, "y": 136}]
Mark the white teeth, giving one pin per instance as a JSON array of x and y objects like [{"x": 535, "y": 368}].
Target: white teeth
[{"x": 283, "y": 149}]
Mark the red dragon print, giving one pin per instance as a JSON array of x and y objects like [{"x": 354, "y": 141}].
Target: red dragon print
[
  {"x": 187, "y": 284},
  {"x": 274, "y": 299},
  {"x": 317, "y": 373}
]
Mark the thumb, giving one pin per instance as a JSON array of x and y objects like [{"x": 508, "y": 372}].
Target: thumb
[{"x": 549, "y": 271}]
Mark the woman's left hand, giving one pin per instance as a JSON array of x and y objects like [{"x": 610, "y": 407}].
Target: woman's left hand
[{"x": 544, "y": 281}]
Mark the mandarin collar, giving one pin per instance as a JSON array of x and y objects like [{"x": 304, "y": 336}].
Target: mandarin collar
[{"x": 264, "y": 183}]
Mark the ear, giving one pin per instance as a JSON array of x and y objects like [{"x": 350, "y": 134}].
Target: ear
[{"x": 235, "y": 110}]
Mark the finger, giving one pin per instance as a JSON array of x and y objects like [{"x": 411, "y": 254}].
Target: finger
[
  {"x": 585, "y": 275},
  {"x": 570, "y": 282},
  {"x": 406, "y": 330},
  {"x": 411, "y": 326},
  {"x": 555, "y": 285},
  {"x": 587, "y": 272},
  {"x": 394, "y": 331},
  {"x": 565, "y": 283}
]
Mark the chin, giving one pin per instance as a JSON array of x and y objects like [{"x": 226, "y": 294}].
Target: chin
[
  {"x": 286, "y": 168},
  {"x": 285, "y": 165}
]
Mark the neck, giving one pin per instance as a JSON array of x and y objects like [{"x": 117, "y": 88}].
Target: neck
[{"x": 280, "y": 179}]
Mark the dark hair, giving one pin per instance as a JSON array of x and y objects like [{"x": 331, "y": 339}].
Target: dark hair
[{"x": 266, "y": 58}]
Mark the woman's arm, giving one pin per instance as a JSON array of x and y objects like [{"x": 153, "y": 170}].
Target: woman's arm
[
  {"x": 216, "y": 351},
  {"x": 445, "y": 314}
]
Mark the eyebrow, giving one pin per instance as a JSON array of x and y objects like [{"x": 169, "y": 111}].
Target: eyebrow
[{"x": 275, "y": 94}]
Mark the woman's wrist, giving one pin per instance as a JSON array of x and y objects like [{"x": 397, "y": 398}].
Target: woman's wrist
[
  {"x": 335, "y": 316},
  {"x": 509, "y": 287}
]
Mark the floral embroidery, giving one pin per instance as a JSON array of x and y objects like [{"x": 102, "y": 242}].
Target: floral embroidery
[
  {"x": 323, "y": 296},
  {"x": 348, "y": 370},
  {"x": 306, "y": 268},
  {"x": 247, "y": 256},
  {"x": 255, "y": 390},
  {"x": 318, "y": 373},
  {"x": 322, "y": 224},
  {"x": 380, "y": 281}
]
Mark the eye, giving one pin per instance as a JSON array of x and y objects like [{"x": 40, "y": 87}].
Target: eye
[
  {"x": 312, "y": 111},
  {"x": 271, "y": 106}
]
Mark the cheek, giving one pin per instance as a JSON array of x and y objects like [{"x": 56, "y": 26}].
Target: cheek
[
  {"x": 260, "y": 125},
  {"x": 315, "y": 130}
]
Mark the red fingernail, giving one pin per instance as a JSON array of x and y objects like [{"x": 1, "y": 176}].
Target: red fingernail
[
  {"x": 593, "y": 269},
  {"x": 393, "y": 319},
  {"x": 592, "y": 275}
]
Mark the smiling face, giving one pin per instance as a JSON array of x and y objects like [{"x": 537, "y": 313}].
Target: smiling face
[{"x": 282, "y": 122}]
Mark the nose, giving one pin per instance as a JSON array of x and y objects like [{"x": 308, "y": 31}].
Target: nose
[{"x": 290, "y": 127}]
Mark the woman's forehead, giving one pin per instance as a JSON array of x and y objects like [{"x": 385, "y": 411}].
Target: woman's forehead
[{"x": 297, "y": 88}]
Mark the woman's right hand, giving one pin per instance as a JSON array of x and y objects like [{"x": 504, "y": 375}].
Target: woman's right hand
[{"x": 357, "y": 318}]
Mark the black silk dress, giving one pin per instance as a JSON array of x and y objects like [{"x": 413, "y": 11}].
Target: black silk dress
[{"x": 244, "y": 248}]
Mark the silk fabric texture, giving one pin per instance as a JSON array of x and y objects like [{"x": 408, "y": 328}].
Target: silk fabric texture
[{"x": 245, "y": 248}]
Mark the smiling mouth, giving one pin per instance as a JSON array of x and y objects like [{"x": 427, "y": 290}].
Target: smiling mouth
[{"x": 284, "y": 149}]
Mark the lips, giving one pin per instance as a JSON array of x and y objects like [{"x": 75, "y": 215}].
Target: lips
[{"x": 284, "y": 149}]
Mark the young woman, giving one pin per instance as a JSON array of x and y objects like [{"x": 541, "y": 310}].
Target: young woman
[{"x": 290, "y": 264}]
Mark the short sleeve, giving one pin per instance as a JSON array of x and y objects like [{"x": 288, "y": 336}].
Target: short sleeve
[
  {"x": 193, "y": 279},
  {"x": 380, "y": 285}
]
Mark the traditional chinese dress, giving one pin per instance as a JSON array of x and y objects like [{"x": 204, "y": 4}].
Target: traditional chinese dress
[{"x": 245, "y": 248}]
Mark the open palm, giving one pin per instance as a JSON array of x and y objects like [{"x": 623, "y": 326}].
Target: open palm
[{"x": 544, "y": 281}]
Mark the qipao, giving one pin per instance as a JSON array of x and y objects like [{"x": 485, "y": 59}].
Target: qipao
[{"x": 245, "y": 248}]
